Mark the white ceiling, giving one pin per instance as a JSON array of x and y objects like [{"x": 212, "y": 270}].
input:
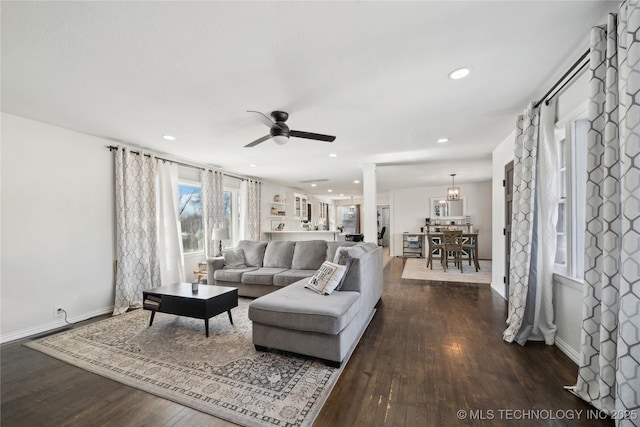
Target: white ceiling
[{"x": 372, "y": 73}]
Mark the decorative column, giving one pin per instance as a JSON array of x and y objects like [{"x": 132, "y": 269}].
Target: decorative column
[{"x": 369, "y": 203}]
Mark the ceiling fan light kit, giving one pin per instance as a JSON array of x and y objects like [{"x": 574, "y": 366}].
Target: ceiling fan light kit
[{"x": 280, "y": 133}]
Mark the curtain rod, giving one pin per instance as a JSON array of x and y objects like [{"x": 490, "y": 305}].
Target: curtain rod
[
  {"x": 112, "y": 147},
  {"x": 577, "y": 66}
]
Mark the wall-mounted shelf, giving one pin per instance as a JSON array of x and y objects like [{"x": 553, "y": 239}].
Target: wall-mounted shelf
[{"x": 278, "y": 209}]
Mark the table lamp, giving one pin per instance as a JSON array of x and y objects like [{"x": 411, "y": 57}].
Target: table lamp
[{"x": 220, "y": 234}]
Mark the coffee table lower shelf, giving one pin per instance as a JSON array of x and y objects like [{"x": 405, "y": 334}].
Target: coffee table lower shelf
[{"x": 179, "y": 299}]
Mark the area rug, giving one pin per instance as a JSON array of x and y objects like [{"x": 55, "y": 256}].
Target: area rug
[
  {"x": 222, "y": 375},
  {"x": 416, "y": 268}
]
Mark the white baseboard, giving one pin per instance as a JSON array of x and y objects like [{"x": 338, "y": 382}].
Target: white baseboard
[
  {"x": 49, "y": 326},
  {"x": 568, "y": 350},
  {"x": 498, "y": 289}
]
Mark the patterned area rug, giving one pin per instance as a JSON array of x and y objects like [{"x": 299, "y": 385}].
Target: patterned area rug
[
  {"x": 222, "y": 375},
  {"x": 416, "y": 268}
]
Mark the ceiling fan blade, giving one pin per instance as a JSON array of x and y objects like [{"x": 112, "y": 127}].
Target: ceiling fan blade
[
  {"x": 310, "y": 135},
  {"x": 264, "y": 119},
  {"x": 257, "y": 141}
]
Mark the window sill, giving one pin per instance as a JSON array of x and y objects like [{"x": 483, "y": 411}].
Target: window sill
[
  {"x": 565, "y": 280},
  {"x": 194, "y": 254}
]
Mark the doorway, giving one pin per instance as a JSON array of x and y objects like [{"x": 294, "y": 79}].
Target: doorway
[
  {"x": 383, "y": 224},
  {"x": 508, "y": 210}
]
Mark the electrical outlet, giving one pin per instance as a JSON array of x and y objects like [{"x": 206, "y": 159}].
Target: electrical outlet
[{"x": 58, "y": 311}]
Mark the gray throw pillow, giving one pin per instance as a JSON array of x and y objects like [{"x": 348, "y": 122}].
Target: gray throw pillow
[
  {"x": 233, "y": 258},
  {"x": 344, "y": 255}
]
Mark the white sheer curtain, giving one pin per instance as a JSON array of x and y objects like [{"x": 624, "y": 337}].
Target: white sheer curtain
[
  {"x": 250, "y": 202},
  {"x": 535, "y": 210},
  {"x": 169, "y": 238},
  {"x": 138, "y": 266},
  {"x": 212, "y": 208},
  {"x": 609, "y": 370}
]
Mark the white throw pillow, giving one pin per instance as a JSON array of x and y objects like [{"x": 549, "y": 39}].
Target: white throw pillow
[
  {"x": 328, "y": 276},
  {"x": 233, "y": 258}
]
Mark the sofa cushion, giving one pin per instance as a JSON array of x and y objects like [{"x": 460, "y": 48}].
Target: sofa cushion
[
  {"x": 261, "y": 276},
  {"x": 233, "y": 258},
  {"x": 295, "y": 307},
  {"x": 289, "y": 276},
  {"x": 278, "y": 254},
  {"x": 232, "y": 274},
  {"x": 309, "y": 255},
  {"x": 253, "y": 252}
]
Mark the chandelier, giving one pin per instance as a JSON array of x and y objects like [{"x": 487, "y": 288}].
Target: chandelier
[{"x": 453, "y": 192}]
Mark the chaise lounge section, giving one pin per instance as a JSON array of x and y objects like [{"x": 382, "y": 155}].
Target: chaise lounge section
[{"x": 299, "y": 320}]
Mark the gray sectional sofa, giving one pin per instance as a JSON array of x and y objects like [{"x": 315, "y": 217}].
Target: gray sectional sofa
[
  {"x": 272, "y": 265},
  {"x": 287, "y": 316}
]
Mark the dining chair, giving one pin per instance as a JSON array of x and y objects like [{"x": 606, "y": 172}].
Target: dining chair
[
  {"x": 433, "y": 247},
  {"x": 452, "y": 241},
  {"x": 381, "y": 235},
  {"x": 470, "y": 247}
]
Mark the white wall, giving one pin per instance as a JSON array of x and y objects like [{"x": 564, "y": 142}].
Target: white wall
[
  {"x": 410, "y": 207},
  {"x": 57, "y": 226}
]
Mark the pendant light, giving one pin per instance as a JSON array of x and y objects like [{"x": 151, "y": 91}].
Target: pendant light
[{"x": 453, "y": 192}]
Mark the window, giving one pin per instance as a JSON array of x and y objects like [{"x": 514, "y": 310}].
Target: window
[
  {"x": 561, "y": 226},
  {"x": 230, "y": 210},
  {"x": 572, "y": 140},
  {"x": 190, "y": 214}
]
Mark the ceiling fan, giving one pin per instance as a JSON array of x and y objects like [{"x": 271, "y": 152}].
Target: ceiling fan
[{"x": 279, "y": 132}]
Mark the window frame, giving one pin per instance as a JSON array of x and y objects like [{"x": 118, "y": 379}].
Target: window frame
[
  {"x": 234, "y": 226},
  {"x": 574, "y": 132}
]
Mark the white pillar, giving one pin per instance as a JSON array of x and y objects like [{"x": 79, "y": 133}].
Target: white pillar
[{"x": 369, "y": 203}]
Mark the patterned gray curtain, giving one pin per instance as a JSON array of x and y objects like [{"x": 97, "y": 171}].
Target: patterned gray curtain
[
  {"x": 253, "y": 209},
  {"x": 138, "y": 265},
  {"x": 212, "y": 208},
  {"x": 608, "y": 376},
  {"x": 251, "y": 200},
  {"x": 533, "y": 244}
]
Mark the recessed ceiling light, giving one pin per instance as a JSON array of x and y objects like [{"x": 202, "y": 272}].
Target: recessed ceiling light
[
  {"x": 443, "y": 140},
  {"x": 169, "y": 137},
  {"x": 329, "y": 191},
  {"x": 313, "y": 185},
  {"x": 460, "y": 73},
  {"x": 333, "y": 155},
  {"x": 252, "y": 165},
  {"x": 357, "y": 181}
]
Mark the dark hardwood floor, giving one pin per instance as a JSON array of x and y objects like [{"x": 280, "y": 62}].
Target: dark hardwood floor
[{"x": 431, "y": 350}]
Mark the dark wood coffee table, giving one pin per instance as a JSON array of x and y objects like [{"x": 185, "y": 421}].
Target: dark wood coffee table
[{"x": 209, "y": 301}]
